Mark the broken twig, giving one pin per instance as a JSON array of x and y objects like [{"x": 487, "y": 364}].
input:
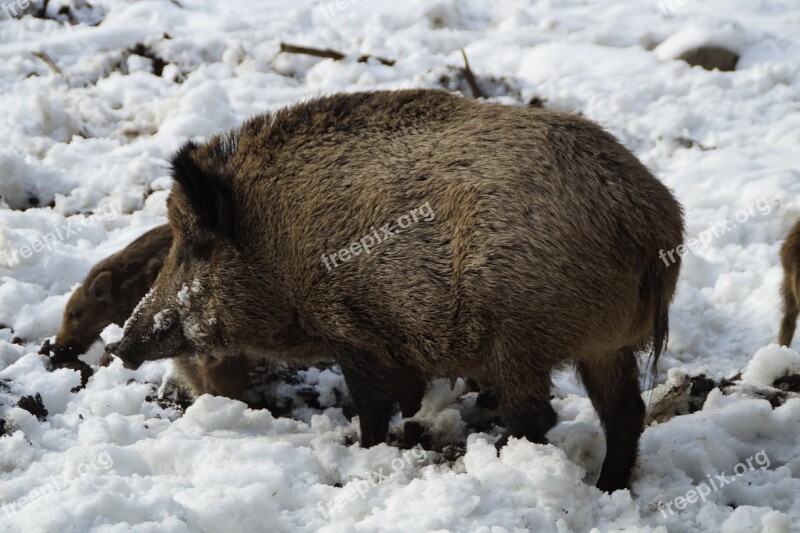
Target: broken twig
[
  {"x": 473, "y": 84},
  {"x": 330, "y": 54},
  {"x": 316, "y": 52},
  {"x": 49, "y": 62},
  {"x": 382, "y": 60}
]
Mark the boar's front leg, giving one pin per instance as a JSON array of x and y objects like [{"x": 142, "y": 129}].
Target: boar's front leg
[
  {"x": 527, "y": 413},
  {"x": 373, "y": 407},
  {"x": 374, "y": 391},
  {"x": 613, "y": 386},
  {"x": 409, "y": 393}
]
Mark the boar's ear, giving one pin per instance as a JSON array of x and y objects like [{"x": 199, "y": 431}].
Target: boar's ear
[
  {"x": 208, "y": 195},
  {"x": 100, "y": 287}
]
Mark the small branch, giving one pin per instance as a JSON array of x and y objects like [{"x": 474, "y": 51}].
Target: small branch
[
  {"x": 331, "y": 54},
  {"x": 686, "y": 142},
  {"x": 316, "y": 52},
  {"x": 473, "y": 84},
  {"x": 382, "y": 60},
  {"x": 49, "y": 62}
]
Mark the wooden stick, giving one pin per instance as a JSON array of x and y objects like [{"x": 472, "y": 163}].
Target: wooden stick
[
  {"x": 49, "y": 62},
  {"x": 316, "y": 52},
  {"x": 473, "y": 84},
  {"x": 382, "y": 60},
  {"x": 330, "y": 54}
]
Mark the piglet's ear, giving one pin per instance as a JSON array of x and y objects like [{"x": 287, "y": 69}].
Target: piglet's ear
[
  {"x": 100, "y": 288},
  {"x": 207, "y": 194}
]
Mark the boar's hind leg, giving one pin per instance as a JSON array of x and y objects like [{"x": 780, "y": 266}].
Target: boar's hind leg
[
  {"x": 790, "y": 312},
  {"x": 374, "y": 391},
  {"x": 613, "y": 386}
]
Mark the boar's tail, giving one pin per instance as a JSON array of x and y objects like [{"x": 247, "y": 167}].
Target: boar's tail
[{"x": 660, "y": 288}]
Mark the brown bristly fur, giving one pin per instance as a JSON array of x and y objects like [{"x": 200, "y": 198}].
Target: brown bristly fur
[
  {"x": 544, "y": 250},
  {"x": 790, "y": 289}
]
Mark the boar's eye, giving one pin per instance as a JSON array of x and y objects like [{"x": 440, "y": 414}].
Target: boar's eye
[{"x": 76, "y": 314}]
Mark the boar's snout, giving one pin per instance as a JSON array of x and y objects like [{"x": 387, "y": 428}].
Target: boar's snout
[
  {"x": 65, "y": 351},
  {"x": 151, "y": 337}
]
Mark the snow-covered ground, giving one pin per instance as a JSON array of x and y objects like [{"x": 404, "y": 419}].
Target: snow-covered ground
[{"x": 87, "y": 127}]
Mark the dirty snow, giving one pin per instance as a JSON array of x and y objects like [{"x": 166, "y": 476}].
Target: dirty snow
[{"x": 88, "y": 127}]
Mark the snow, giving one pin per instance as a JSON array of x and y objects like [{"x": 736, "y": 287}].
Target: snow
[
  {"x": 162, "y": 321},
  {"x": 91, "y": 143},
  {"x": 770, "y": 363},
  {"x": 192, "y": 327}
]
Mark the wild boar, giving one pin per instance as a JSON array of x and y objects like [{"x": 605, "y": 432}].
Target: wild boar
[
  {"x": 790, "y": 289},
  {"x": 109, "y": 294},
  {"x": 111, "y": 291},
  {"x": 481, "y": 240}
]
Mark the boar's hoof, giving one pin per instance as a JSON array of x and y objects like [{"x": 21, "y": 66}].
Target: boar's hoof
[
  {"x": 375, "y": 424},
  {"x": 413, "y": 434},
  {"x": 612, "y": 483},
  {"x": 502, "y": 441}
]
